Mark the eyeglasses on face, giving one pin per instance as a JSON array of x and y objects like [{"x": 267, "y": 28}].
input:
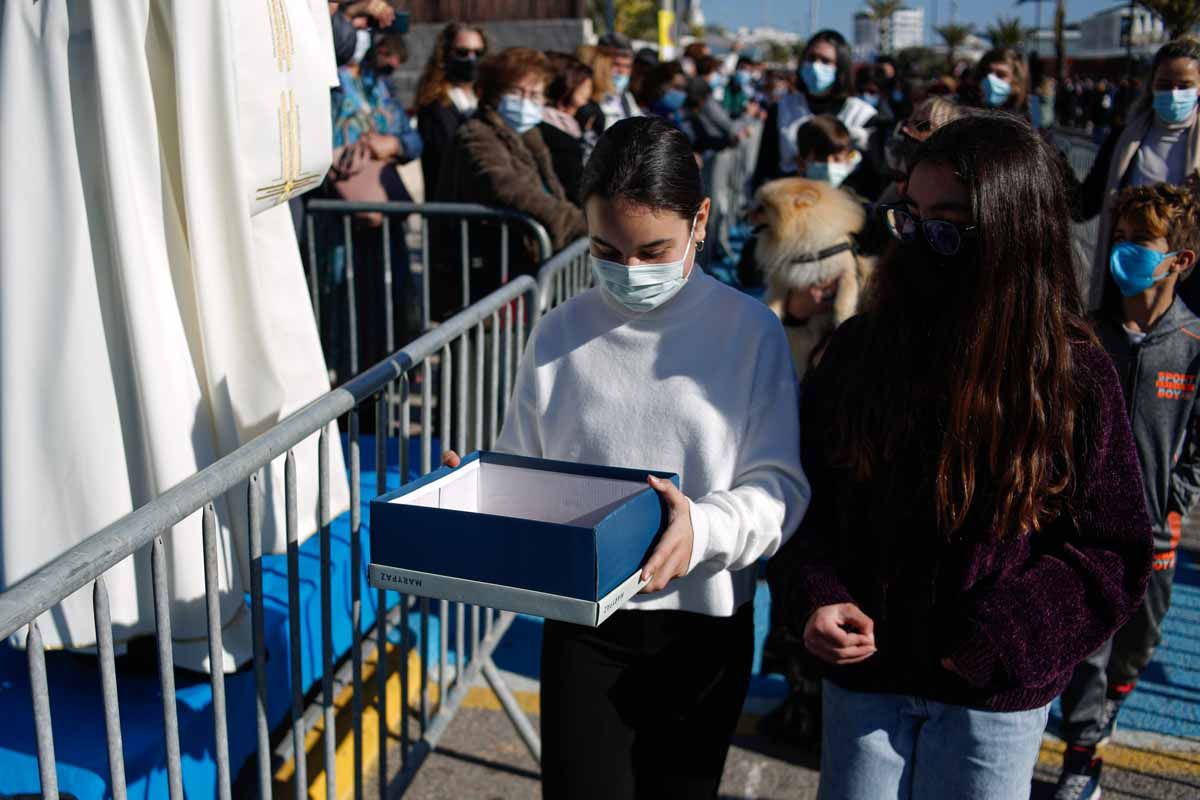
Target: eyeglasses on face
[{"x": 943, "y": 236}]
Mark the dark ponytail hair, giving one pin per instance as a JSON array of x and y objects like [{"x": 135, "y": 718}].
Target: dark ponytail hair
[{"x": 647, "y": 162}]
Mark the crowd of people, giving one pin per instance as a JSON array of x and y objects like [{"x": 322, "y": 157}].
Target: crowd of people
[{"x": 975, "y": 509}]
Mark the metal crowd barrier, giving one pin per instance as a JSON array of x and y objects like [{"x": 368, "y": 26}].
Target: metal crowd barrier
[
  {"x": 564, "y": 276},
  {"x": 463, "y": 213},
  {"x": 481, "y": 345}
]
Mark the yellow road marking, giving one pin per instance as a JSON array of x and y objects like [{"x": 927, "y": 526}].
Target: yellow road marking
[
  {"x": 344, "y": 722},
  {"x": 1155, "y": 762}
]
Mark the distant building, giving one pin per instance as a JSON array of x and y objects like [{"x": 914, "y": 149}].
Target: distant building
[
  {"x": 907, "y": 30},
  {"x": 1106, "y": 33}
]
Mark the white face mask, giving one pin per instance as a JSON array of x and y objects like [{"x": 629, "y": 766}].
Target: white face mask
[{"x": 646, "y": 287}]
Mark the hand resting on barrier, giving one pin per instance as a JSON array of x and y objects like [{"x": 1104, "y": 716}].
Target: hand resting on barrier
[{"x": 674, "y": 551}]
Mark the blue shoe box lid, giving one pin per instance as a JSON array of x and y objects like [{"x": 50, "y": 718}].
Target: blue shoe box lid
[{"x": 552, "y": 538}]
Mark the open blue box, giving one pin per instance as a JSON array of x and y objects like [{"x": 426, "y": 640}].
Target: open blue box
[{"x": 549, "y": 538}]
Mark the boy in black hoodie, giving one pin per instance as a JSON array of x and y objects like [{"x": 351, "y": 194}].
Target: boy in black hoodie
[{"x": 1154, "y": 341}]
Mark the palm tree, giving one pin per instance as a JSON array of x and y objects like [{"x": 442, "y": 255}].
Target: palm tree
[
  {"x": 954, "y": 35},
  {"x": 880, "y": 12},
  {"x": 1008, "y": 32},
  {"x": 1178, "y": 16}
]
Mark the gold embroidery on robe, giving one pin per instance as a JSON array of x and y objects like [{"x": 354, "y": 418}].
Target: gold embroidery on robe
[
  {"x": 291, "y": 181},
  {"x": 281, "y": 34}
]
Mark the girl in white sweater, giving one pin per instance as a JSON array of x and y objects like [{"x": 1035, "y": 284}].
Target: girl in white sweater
[{"x": 660, "y": 367}]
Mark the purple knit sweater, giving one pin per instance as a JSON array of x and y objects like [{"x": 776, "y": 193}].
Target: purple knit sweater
[{"x": 1015, "y": 615}]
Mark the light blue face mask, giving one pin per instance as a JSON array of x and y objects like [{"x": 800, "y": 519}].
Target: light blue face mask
[
  {"x": 1174, "y": 106},
  {"x": 519, "y": 112},
  {"x": 620, "y": 83},
  {"x": 870, "y": 99},
  {"x": 832, "y": 172},
  {"x": 744, "y": 79},
  {"x": 995, "y": 90},
  {"x": 646, "y": 287},
  {"x": 1133, "y": 267},
  {"x": 818, "y": 76}
]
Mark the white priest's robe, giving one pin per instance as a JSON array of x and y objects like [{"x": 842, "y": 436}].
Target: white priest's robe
[{"x": 153, "y": 309}]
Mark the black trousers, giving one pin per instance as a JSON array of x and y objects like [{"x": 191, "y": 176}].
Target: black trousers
[
  {"x": 1119, "y": 661},
  {"x": 643, "y": 706}
]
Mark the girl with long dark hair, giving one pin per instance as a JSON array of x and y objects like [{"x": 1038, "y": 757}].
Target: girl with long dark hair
[
  {"x": 974, "y": 531},
  {"x": 634, "y": 372},
  {"x": 825, "y": 85}
]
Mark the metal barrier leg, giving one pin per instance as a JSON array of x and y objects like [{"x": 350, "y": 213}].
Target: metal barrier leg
[
  {"x": 293, "y": 571},
  {"x": 216, "y": 651},
  {"x": 254, "y": 502},
  {"x": 329, "y": 734},
  {"x": 166, "y": 666},
  {"x": 108, "y": 689},
  {"x": 356, "y": 594},
  {"x": 40, "y": 690},
  {"x": 513, "y": 709}
]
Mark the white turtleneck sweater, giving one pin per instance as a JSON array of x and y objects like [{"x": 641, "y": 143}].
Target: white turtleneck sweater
[{"x": 702, "y": 386}]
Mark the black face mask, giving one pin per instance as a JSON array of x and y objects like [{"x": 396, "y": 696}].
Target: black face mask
[
  {"x": 384, "y": 70},
  {"x": 933, "y": 279},
  {"x": 461, "y": 70}
]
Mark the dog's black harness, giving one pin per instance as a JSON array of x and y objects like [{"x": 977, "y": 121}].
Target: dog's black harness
[{"x": 821, "y": 255}]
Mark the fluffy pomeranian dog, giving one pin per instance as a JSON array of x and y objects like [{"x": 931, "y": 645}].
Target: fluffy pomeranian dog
[{"x": 804, "y": 233}]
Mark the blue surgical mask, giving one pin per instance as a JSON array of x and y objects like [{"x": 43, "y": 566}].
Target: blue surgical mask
[
  {"x": 897, "y": 95},
  {"x": 818, "y": 76},
  {"x": 519, "y": 112},
  {"x": 644, "y": 288},
  {"x": 995, "y": 90},
  {"x": 832, "y": 172},
  {"x": 1133, "y": 267},
  {"x": 716, "y": 81},
  {"x": 1175, "y": 106},
  {"x": 870, "y": 99},
  {"x": 620, "y": 83},
  {"x": 744, "y": 79},
  {"x": 673, "y": 99}
]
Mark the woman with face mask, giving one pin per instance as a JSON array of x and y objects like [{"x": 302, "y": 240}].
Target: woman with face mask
[
  {"x": 999, "y": 81},
  {"x": 499, "y": 158},
  {"x": 612, "y": 65},
  {"x": 1160, "y": 144},
  {"x": 975, "y": 532},
  {"x": 824, "y": 87},
  {"x": 635, "y": 372},
  {"x": 446, "y": 93}
]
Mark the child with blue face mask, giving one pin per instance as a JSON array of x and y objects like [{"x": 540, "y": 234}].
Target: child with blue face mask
[
  {"x": 1153, "y": 339},
  {"x": 824, "y": 152},
  {"x": 1160, "y": 143}
]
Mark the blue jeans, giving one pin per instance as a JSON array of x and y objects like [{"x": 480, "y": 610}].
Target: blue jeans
[{"x": 882, "y": 746}]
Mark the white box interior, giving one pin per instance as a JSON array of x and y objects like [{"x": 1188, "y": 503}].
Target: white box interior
[{"x": 523, "y": 493}]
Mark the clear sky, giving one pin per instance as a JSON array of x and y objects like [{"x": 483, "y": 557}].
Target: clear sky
[{"x": 839, "y": 14}]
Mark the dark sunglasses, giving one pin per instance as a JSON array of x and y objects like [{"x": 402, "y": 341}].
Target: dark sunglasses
[
  {"x": 466, "y": 52},
  {"x": 944, "y": 237}
]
